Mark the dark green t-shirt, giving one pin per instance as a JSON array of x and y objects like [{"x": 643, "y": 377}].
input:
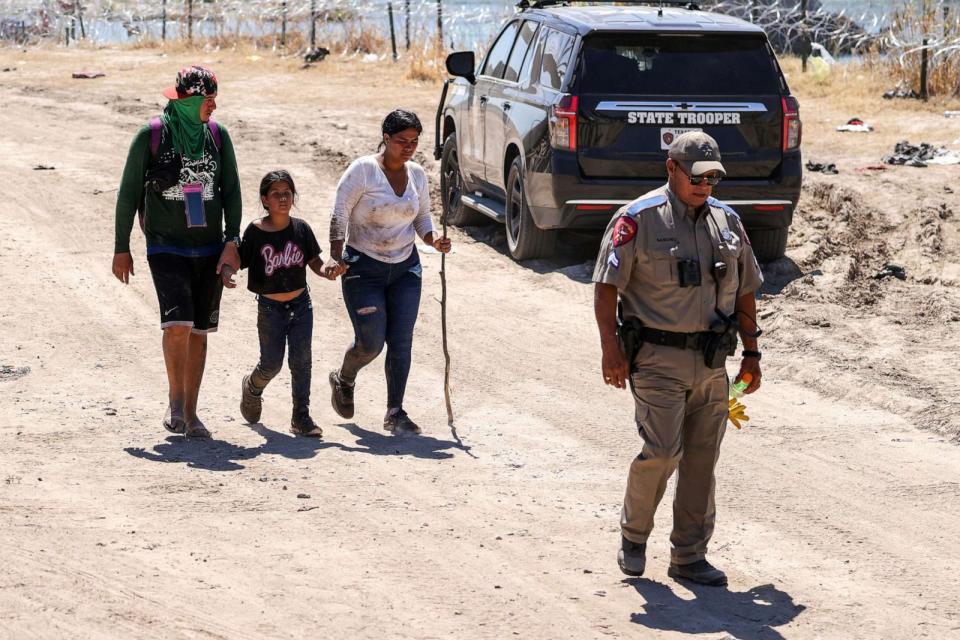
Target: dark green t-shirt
[{"x": 165, "y": 220}]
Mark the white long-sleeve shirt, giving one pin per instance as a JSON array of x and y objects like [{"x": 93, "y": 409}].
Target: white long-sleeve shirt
[{"x": 369, "y": 215}]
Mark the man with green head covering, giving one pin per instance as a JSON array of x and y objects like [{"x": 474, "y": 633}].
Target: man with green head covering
[{"x": 181, "y": 174}]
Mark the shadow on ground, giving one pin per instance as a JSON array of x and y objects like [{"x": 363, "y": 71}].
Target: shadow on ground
[
  {"x": 779, "y": 273},
  {"x": 574, "y": 257},
  {"x": 742, "y": 614},
  {"x": 220, "y": 455}
]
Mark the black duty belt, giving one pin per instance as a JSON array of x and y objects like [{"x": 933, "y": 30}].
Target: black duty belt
[{"x": 693, "y": 341}]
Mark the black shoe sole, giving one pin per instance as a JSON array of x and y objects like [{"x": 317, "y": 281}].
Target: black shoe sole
[{"x": 717, "y": 582}]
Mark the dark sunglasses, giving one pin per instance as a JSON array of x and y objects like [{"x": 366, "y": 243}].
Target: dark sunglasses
[{"x": 698, "y": 180}]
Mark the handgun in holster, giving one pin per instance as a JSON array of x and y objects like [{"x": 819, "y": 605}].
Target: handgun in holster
[{"x": 630, "y": 335}]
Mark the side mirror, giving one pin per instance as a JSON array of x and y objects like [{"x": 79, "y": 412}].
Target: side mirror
[{"x": 462, "y": 63}]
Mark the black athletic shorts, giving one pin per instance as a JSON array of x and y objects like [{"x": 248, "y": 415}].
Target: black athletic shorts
[{"x": 188, "y": 290}]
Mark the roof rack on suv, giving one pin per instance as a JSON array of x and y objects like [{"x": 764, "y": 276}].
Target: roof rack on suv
[{"x": 538, "y": 4}]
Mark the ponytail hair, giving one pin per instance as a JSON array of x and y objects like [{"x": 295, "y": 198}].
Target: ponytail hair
[{"x": 399, "y": 120}]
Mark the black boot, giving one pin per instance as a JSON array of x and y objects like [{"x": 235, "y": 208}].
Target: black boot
[{"x": 632, "y": 557}]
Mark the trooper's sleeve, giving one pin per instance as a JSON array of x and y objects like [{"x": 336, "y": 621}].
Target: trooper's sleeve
[
  {"x": 750, "y": 275},
  {"x": 617, "y": 251}
]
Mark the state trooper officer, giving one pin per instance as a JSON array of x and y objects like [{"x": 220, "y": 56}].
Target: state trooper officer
[{"x": 683, "y": 269}]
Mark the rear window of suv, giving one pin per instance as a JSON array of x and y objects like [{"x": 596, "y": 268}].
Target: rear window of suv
[{"x": 678, "y": 65}]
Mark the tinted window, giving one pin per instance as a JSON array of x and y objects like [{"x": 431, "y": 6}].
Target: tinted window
[
  {"x": 519, "y": 53},
  {"x": 556, "y": 56},
  {"x": 497, "y": 58},
  {"x": 678, "y": 65}
]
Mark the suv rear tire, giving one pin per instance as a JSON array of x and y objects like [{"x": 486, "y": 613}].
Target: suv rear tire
[
  {"x": 524, "y": 238},
  {"x": 768, "y": 244},
  {"x": 451, "y": 187}
]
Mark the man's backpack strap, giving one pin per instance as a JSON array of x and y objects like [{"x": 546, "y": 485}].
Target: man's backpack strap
[
  {"x": 215, "y": 132},
  {"x": 156, "y": 129}
]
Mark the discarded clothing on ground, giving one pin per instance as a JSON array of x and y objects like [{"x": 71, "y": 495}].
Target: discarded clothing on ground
[
  {"x": 900, "y": 92},
  {"x": 856, "y": 125},
  {"x": 920, "y": 155},
  {"x": 822, "y": 167},
  {"x": 889, "y": 270},
  {"x": 316, "y": 55}
]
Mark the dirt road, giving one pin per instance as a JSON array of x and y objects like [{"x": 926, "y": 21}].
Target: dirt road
[{"x": 837, "y": 506}]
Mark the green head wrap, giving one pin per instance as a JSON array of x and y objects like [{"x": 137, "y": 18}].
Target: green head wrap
[{"x": 189, "y": 132}]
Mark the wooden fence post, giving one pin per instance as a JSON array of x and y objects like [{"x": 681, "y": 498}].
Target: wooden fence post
[
  {"x": 440, "y": 23},
  {"x": 393, "y": 34}
]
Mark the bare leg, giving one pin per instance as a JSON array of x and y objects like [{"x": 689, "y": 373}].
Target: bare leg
[
  {"x": 175, "y": 349},
  {"x": 195, "y": 362}
]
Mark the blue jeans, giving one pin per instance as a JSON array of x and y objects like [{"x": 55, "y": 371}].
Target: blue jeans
[
  {"x": 279, "y": 323},
  {"x": 383, "y": 300}
]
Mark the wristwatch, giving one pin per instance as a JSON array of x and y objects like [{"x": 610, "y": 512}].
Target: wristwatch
[{"x": 235, "y": 240}]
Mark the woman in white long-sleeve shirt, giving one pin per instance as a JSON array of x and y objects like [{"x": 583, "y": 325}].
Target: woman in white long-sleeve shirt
[{"x": 382, "y": 205}]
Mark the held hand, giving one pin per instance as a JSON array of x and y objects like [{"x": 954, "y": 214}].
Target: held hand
[
  {"x": 334, "y": 269},
  {"x": 122, "y": 267},
  {"x": 229, "y": 256},
  {"x": 226, "y": 276},
  {"x": 751, "y": 366},
  {"x": 442, "y": 244},
  {"x": 616, "y": 369}
]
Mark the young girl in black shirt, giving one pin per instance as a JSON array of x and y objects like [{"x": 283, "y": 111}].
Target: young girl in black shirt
[{"x": 277, "y": 249}]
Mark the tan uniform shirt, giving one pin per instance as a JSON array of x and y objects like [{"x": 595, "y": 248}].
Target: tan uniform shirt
[{"x": 647, "y": 238}]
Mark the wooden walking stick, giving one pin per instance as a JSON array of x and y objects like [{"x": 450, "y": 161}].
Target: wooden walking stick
[{"x": 443, "y": 325}]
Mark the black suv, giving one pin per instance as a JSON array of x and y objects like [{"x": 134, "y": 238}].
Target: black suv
[{"x": 570, "y": 113}]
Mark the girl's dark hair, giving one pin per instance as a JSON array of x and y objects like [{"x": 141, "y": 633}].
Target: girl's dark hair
[
  {"x": 399, "y": 120},
  {"x": 280, "y": 175}
]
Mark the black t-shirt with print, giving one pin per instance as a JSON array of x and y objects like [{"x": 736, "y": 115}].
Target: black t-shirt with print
[{"x": 278, "y": 259}]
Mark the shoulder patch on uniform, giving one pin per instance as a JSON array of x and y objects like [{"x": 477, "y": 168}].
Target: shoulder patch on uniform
[
  {"x": 713, "y": 202},
  {"x": 646, "y": 203},
  {"x": 624, "y": 230}
]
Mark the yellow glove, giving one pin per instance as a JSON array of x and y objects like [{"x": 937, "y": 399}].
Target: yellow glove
[{"x": 737, "y": 413}]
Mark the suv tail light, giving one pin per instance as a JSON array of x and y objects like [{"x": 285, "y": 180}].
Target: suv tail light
[
  {"x": 563, "y": 124},
  {"x": 791, "y": 123}
]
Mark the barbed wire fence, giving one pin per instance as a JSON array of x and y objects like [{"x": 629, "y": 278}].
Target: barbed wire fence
[{"x": 906, "y": 34}]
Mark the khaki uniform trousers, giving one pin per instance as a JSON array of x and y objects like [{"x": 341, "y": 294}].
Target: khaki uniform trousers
[{"x": 681, "y": 407}]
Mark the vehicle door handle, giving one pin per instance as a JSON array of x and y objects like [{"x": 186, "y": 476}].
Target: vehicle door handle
[{"x": 506, "y": 106}]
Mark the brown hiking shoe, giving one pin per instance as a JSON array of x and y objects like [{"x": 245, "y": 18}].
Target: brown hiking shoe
[
  {"x": 251, "y": 404},
  {"x": 701, "y": 572},
  {"x": 303, "y": 425},
  {"x": 341, "y": 395}
]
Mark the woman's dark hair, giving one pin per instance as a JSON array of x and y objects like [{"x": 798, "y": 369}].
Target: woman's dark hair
[
  {"x": 400, "y": 120},
  {"x": 280, "y": 175}
]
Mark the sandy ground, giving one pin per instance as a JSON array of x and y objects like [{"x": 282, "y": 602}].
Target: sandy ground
[{"x": 838, "y": 505}]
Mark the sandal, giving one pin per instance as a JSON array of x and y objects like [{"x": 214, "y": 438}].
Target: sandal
[
  {"x": 173, "y": 421},
  {"x": 196, "y": 430}
]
